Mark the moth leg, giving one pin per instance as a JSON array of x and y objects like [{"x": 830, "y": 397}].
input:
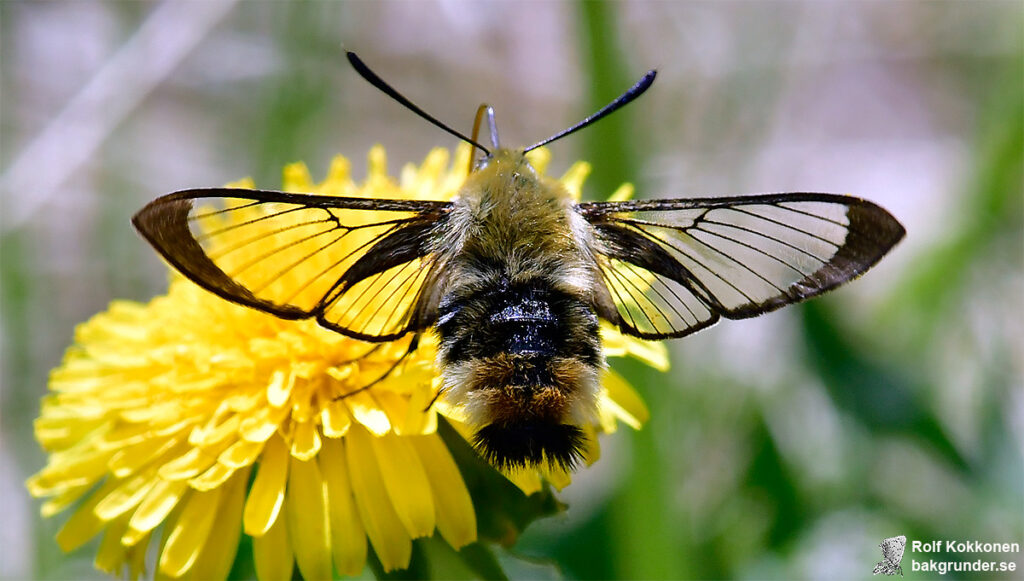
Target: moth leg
[
  {"x": 413, "y": 344},
  {"x": 363, "y": 356},
  {"x": 434, "y": 400}
]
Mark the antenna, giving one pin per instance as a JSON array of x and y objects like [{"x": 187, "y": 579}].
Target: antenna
[
  {"x": 372, "y": 78},
  {"x": 619, "y": 102}
]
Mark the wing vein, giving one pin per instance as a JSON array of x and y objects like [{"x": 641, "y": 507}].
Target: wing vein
[
  {"x": 238, "y": 246},
  {"x": 643, "y": 311},
  {"x": 783, "y": 224},
  {"x": 767, "y": 237},
  {"x": 208, "y": 235},
  {"x": 258, "y": 259},
  {"x": 667, "y": 303},
  {"x": 713, "y": 273},
  {"x": 609, "y": 271}
]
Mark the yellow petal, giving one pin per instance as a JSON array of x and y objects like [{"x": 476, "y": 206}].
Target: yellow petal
[
  {"x": 84, "y": 524},
  {"x": 406, "y": 482},
  {"x": 280, "y": 388},
  {"x": 378, "y": 163},
  {"x": 172, "y": 429},
  {"x": 366, "y": 411},
  {"x": 574, "y": 178},
  {"x": 153, "y": 509},
  {"x": 111, "y": 554},
  {"x": 456, "y": 519},
  {"x": 653, "y": 353},
  {"x": 420, "y": 182},
  {"x": 131, "y": 459},
  {"x": 306, "y": 508},
  {"x": 408, "y": 178},
  {"x": 558, "y": 477},
  {"x": 335, "y": 419},
  {"x": 241, "y": 453},
  {"x": 607, "y": 419},
  {"x": 168, "y": 528},
  {"x": 212, "y": 429},
  {"x": 211, "y": 435},
  {"x": 272, "y": 553},
  {"x": 188, "y": 464},
  {"x": 528, "y": 481},
  {"x": 623, "y": 401},
  {"x": 457, "y": 175},
  {"x": 267, "y": 493},
  {"x": 124, "y": 497},
  {"x": 296, "y": 177},
  {"x": 244, "y": 183},
  {"x": 338, "y": 174},
  {"x": 539, "y": 159},
  {"x": 623, "y": 193},
  {"x": 72, "y": 465},
  {"x": 457, "y": 416},
  {"x": 243, "y": 402},
  {"x": 419, "y": 419},
  {"x": 213, "y": 477},
  {"x": 615, "y": 344},
  {"x": 261, "y": 425},
  {"x": 158, "y": 413},
  {"x": 218, "y": 553},
  {"x": 463, "y": 428},
  {"x": 389, "y": 538},
  {"x": 396, "y": 408},
  {"x": 592, "y": 448},
  {"x": 305, "y": 441},
  {"x": 190, "y": 532},
  {"x": 137, "y": 558},
  {"x": 64, "y": 499},
  {"x": 60, "y": 432},
  {"x": 348, "y": 539}
]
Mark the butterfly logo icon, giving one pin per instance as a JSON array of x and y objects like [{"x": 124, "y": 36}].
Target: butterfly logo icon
[{"x": 892, "y": 554}]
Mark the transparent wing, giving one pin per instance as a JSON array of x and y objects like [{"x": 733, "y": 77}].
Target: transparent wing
[
  {"x": 359, "y": 266},
  {"x": 673, "y": 267}
]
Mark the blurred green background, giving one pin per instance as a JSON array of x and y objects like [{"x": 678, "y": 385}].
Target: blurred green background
[{"x": 786, "y": 446}]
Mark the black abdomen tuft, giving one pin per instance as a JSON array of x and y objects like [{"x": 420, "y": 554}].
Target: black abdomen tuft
[{"x": 515, "y": 446}]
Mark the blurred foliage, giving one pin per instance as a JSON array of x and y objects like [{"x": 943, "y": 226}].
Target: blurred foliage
[{"x": 915, "y": 395}]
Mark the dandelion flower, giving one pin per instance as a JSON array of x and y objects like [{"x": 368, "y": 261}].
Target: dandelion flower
[{"x": 189, "y": 421}]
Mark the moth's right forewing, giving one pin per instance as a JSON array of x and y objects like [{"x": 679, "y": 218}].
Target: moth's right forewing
[
  {"x": 164, "y": 223},
  {"x": 357, "y": 265}
]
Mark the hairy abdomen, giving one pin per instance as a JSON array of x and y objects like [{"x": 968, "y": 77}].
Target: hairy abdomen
[{"x": 524, "y": 358}]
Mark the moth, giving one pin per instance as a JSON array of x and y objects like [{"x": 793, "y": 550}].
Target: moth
[{"x": 514, "y": 275}]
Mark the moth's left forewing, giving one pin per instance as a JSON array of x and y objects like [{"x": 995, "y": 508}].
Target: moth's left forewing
[{"x": 674, "y": 266}]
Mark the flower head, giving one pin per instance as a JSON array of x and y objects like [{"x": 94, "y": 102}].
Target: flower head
[{"x": 206, "y": 420}]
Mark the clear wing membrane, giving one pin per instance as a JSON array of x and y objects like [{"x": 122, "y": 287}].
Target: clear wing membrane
[
  {"x": 673, "y": 267},
  {"x": 359, "y": 266}
]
